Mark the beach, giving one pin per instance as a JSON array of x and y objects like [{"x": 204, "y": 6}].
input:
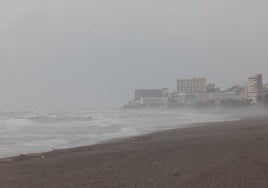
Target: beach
[{"x": 224, "y": 154}]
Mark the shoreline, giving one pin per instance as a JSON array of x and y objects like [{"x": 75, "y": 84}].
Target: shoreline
[
  {"x": 113, "y": 140},
  {"x": 234, "y": 115},
  {"x": 222, "y": 154}
]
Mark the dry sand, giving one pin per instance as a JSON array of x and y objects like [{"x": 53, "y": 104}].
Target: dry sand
[{"x": 226, "y": 154}]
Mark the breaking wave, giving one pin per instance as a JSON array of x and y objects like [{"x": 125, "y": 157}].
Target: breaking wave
[{"x": 29, "y": 132}]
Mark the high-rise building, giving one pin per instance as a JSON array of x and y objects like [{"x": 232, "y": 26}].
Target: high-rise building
[
  {"x": 192, "y": 86},
  {"x": 254, "y": 87}
]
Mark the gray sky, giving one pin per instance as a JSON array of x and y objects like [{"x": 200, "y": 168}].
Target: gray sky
[{"x": 66, "y": 54}]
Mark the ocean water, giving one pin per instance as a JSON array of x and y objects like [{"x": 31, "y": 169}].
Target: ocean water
[{"x": 32, "y": 132}]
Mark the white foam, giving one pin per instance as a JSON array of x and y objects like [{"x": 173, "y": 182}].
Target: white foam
[{"x": 37, "y": 132}]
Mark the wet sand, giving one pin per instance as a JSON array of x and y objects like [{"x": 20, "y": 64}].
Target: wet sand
[{"x": 226, "y": 154}]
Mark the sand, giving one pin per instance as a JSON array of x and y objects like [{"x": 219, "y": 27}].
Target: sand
[{"x": 226, "y": 154}]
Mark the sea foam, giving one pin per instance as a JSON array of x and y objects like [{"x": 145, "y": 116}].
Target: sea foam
[{"x": 31, "y": 132}]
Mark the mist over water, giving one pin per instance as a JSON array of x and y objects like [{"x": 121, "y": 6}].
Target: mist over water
[{"x": 31, "y": 132}]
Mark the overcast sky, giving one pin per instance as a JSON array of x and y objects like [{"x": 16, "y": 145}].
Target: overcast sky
[{"x": 70, "y": 54}]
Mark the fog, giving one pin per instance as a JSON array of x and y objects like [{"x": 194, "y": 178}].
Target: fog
[{"x": 63, "y": 54}]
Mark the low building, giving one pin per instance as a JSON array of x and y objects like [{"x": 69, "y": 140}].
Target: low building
[
  {"x": 202, "y": 98},
  {"x": 186, "y": 99},
  {"x": 230, "y": 95},
  {"x": 150, "y": 97},
  {"x": 217, "y": 97},
  {"x": 151, "y": 93},
  {"x": 240, "y": 90}
]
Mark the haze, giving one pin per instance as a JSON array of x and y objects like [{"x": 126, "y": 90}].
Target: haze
[{"x": 65, "y": 54}]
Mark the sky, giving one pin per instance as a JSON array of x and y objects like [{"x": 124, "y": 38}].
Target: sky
[{"x": 66, "y": 54}]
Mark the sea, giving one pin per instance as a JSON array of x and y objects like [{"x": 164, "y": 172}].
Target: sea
[{"x": 34, "y": 132}]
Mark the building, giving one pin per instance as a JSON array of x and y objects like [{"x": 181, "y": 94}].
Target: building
[
  {"x": 240, "y": 90},
  {"x": 202, "y": 97},
  {"x": 254, "y": 88},
  {"x": 151, "y": 93},
  {"x": 211, "y": 88},
  {"x": 217, "y": 97},
  {"x": 230, "y": 95},
  {"x": 265, "y": 89},
  {"x": 186, "y": 99},
  {"x": 192, "y": 86},
  {"x": 152, "y": 96}
]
